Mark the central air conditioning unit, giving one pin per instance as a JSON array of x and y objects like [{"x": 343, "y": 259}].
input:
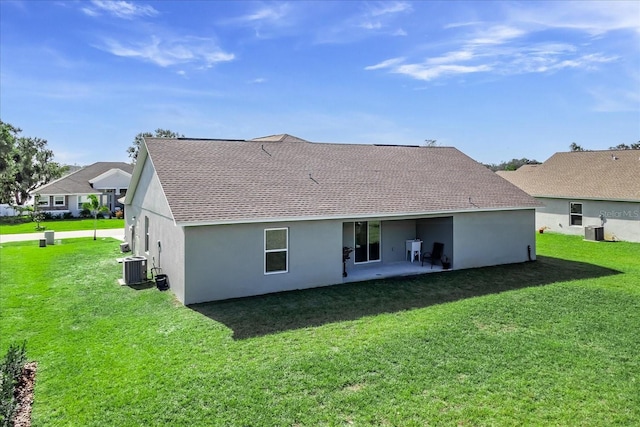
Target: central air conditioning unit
[
  {"x": 134, "y": 270},
  {"x": 594, "y": 233}
]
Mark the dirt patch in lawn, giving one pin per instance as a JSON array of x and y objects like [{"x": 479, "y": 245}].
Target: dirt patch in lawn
[{"x": 24, "y": 395}]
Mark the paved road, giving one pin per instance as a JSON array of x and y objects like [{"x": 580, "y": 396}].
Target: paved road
[{"x": 116, "y": 233}]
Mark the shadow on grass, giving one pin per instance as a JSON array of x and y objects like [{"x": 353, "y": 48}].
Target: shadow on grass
[
  {"x": 144, "y": 285},
  {"x": 267, "y": 314}
]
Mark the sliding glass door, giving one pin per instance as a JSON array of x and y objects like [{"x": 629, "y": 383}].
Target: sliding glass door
[{"x": 367, "y": 240}]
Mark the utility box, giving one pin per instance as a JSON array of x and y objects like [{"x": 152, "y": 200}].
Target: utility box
[
  {"x": 594, "y": 233},
  {"x": 134, "y": 270},
  {"x": 49, "y": 237}
]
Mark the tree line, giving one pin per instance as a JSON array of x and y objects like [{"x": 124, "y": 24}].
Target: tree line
[
  {"x": 25, "y": 164},
  {"x": 514, "y": 164}
]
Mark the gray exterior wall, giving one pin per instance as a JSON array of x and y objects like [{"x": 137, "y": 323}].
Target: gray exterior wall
[
  {"x": 621, "y": 219},
  {"x": 492, "y": 238},
  {"x": 149, "y": 200},
  {"x": 394, "y": 236},
  {"x": 439, "y": 229},
  {"x": 227, "y": 261}
]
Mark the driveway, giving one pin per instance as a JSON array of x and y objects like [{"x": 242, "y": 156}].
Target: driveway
[{"x": 116, "y": 233}]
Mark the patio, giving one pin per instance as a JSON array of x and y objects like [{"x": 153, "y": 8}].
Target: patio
[{"x": 381, "y": 271}]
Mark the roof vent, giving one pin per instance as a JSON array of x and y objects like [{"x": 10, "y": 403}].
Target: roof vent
[{"x": 613, "y": 157}]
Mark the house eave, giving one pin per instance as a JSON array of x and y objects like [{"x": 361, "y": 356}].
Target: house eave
[
  {"x": 402, "y": 215},
  {"x": 601, "y": 199}
]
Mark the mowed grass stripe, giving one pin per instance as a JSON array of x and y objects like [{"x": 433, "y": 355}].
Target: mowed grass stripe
[{"x": 519, "y": 344}]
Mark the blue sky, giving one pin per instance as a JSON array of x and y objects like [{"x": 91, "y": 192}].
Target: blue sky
[{"x": 497, "y": 80}]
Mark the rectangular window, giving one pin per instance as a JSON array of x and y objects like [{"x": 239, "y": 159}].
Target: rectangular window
[
  {"x": 276, "y": 250},
  {"x": 58, "y": 200},
  {"x": 44, "y": 201},
  {"x": 81, "y": 200},
  {"x": 575, "y": 216},
  {"x": 146, "y": 233},
  {"x": 367, "y": 239}
]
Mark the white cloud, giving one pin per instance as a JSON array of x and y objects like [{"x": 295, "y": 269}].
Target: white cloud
[
  {"x": 449, "y": 57},
  {"x": 528, "y": 44},
  {"x": 90, "y": 12},
  {"x": 614, "y": 100},
  {"x": 497, "y": 35},
  {"x": 272, "y": 14},
  {"x": 385, "y": 64},
  {"x": 120, "y": 9},
  {"x": 258, "y": 80},
  {"x": 371, "y": 25},
  {"x": 461, "y": 24},
  {"x": 593, "y": 17},
  {"x": 430, "y": 72},
  {"x": 167, "y": 52},
  {"x": 387, "y": 8}
]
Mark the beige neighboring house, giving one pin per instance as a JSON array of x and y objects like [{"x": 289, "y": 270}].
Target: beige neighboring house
[
  {"x": 227, "y": 219},
  {"x": 585, "y": 189},
  {"x": 107, "y": 180}
]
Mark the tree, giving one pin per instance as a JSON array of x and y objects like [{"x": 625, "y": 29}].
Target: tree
[
  {"x": 132, "y": 151},
  {"x": 94, "y": 206},
  {"x": 26, "y": 163},
  {"x": 575, "y": 147},
  {"x": 632, "y": 146},
  {"x": 512, "y": 164}
]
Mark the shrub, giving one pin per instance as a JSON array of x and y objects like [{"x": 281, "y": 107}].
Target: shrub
[
  {"x": 67, "y": 215},
  {"x": 119, "y": 214},
  {"x": 10, "y": 372},
  {"x": 85, "y": 213}
]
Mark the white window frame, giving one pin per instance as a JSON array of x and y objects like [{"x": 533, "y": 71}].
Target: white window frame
[
  {"x": 572, "y": 214},
  {"x": 369, "y": 260},
  {"x": 57, "y": 198},
  {"x": 43, "y": 201},
  {"x": 285, "y": 250},
  {"x": 146, "y": 234}
]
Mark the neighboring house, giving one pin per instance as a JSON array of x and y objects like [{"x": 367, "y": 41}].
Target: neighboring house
[
  {"x": 586, "y": 188},
  {"x": 107, "y": 180},
  {"x": 226, "y": 219}
]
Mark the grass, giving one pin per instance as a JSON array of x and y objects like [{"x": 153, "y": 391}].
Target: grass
[
  {"x": 553, "y": 342},
  {"x": 61, "y": 225}
]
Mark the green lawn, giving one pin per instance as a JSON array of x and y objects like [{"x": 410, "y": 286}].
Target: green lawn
[
  {"x": 554, "y": 342},
  {"x": 61, "y": 225}
]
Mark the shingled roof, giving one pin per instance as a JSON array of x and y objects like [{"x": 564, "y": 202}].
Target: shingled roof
[
  {"x": 78, "y": 182},
  {"x": 214, "y": 181},
  {"x": 600, "y": 175},
  {"x": 283, "y": 137}
]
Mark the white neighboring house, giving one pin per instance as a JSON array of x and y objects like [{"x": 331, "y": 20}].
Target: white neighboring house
[
  {"x": 585, "y": 188},
  {"x": 107, "y": 180},
  {"x": 227, "y": 219}
]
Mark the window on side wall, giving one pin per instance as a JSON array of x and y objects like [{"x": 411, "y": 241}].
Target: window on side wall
[
  {"x": 44, "y": 201},
  {"x": 276, "y": 250},
  {"x": 575, "y": 214},
  {"x": 58, "y": 200},
  {"x": 146, "y": 234}
]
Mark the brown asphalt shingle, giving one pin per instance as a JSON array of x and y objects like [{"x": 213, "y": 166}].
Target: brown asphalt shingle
[
  {"x": 604, "y": 175},
  {"x": 218, "y": 181},
  {"x": 78, "y": 181}
]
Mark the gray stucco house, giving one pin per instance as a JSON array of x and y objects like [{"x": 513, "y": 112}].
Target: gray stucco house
[
  {"x": 586, "y": 188},
  {"x": 107, "y": 180},
  {"x": 227, "y": 219}
]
